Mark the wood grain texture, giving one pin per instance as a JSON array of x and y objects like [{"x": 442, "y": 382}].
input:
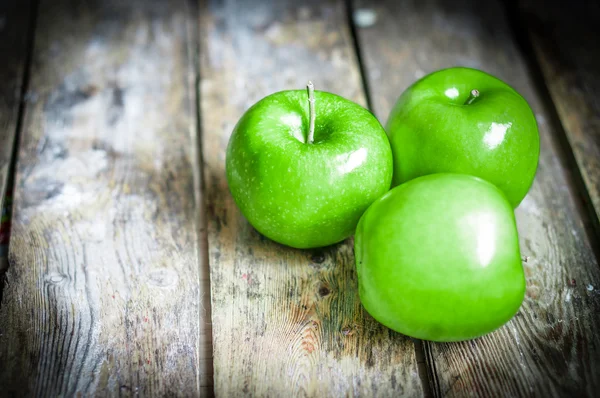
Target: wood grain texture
[
  {"x": 565, "y": 38},
  {"x": 15, "y": 27},
  {"x": 104, "y": 293},
  {"x": 552, "y": 346},
  {"x": 286, "y": 322}
]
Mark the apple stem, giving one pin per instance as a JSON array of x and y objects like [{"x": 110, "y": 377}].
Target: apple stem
[
  {"x": 311, "y": 111},
  {"x": 472, "y": 96}
]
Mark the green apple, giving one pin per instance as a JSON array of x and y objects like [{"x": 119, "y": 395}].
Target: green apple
[
  {"x": 438, "y": 258},
  {"x": 303, "y": 168},
  {"x": 462, "y": 120}
]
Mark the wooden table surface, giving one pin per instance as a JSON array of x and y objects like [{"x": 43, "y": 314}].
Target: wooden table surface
[{"x": 131, "y": 270}]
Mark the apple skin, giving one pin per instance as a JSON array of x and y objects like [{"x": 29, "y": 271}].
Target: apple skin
[
  {"x": 300, "y": 194},
  {"x": 438, "y": 258},
  {"x": 495, "y": 137}
]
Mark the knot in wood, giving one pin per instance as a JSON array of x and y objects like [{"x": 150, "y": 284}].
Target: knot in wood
[
  {"x": 324, "y": 291},
  {"x": 55, "y": 278},
  {"x": 163, "y": 277}
]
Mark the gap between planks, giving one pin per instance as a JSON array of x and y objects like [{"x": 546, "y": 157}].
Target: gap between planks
[{"x": 18, "y": 80}]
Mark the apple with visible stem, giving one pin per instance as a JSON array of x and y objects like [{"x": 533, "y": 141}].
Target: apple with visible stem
[
  {"x": 303, "y": 166},
  {"x": 462, "y": 120},
  {"x": 438, "y": 258}
]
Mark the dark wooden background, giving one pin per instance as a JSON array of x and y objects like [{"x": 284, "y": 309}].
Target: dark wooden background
[{"x": 132, "y": 272}]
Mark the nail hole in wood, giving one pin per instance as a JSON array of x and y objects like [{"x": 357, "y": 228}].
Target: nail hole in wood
[{"x": 318, "y": 257}]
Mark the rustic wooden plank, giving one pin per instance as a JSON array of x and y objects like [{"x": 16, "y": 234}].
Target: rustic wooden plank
[
  {"x": 552, "y": 347},
  {"x": 104, "y": 290},
  {"x": 286, "y": 322},
  {"x": 565, "y": 38},
  {"x": 15, "y": 16}
]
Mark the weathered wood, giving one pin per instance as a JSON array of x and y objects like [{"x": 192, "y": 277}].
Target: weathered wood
[
  {"x": 552, "y": 346},
  {"x": 15, "y": 26},
  {"x": 104, "y": 292},
  {"x": 565, "y": 38},
  {"x": 286, "y": 322}
]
